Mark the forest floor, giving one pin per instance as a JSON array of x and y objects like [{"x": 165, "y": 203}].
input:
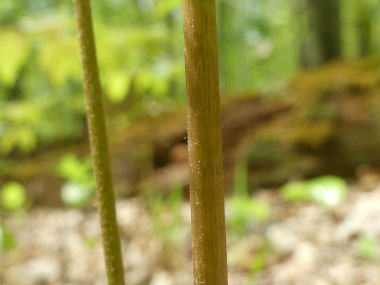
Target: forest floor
[{"x": 300, "y": 243}]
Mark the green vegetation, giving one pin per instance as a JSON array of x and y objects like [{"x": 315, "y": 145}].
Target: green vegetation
[
  {"x": 325, "y": 120},
  {"x": 368, "y": 247},
  {"x": 241, "y": 209},
  {"x": 76, "y": 170},
  {"x": 328, "y": 191},
  {"x": 166, "y": 215},
  {"x": 142, "y": 70},
  {"x": 79, "y": 186},
  {"x": 260, "y": 258},
  {"x": 12, "y": 196},
  {"x": 7, "y": 241}
]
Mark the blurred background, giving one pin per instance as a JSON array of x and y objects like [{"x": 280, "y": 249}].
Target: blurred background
[{"x": 300, "y": 84}]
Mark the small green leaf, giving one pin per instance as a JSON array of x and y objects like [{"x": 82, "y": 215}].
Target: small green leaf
[
  {"x": 13, "y": 196},
  {"x": 75, "y": 195}
]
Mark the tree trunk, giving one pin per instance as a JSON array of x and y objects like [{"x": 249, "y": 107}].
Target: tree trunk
[
  {"x": 204, "y": 143},
  {"x": 324, "y": 29},
  {"x": 99, "y": 145},
  {"x": 364, "y": 28}
]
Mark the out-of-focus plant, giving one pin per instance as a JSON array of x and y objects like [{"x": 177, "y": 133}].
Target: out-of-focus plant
[
  {"x": 13, "y": 196},
  {"x": 260, "y": 258},
  {"x": 328, "y": 191},
  {"x": 40, "y": 77},
  {"x": 166, "y": 215},
  {"x": 7, "y": 240},
  {"x": 90, "y": 241},
  {"x": 79, "y": 186},
  {"x": 367, "y": 247},
  {"x": 241, "y": 209}
]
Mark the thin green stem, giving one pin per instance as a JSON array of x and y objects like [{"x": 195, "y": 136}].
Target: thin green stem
[{"x": 99, "y": 145}]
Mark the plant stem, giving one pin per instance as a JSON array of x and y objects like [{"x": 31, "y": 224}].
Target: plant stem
[
  {"x": 205, "y": 143},
  {"x": 99, "y": 145}
]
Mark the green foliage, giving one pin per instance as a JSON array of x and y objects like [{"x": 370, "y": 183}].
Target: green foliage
[
  {"x": 241, "y": 187},
  {"x": 140, "y": 51},
  {"x": 296, "y": 191},
  {"x": 328, "y": 191},
  {"x": 72, "y": 169},
  {"x": 80, "y": 186},
  {"x": 90, "y": 241},
  {"x": 367, "y": 247},
  {"x": 243, "y": 210},
  {"x": 7, "y": 241},
  {"x": 260, "y": 258},
  {"x": 13, "y": 53},
  {"x": 256, "y": 43},
  {"x": 166, "y": 215},
  {"x": 13, "y": 196}
]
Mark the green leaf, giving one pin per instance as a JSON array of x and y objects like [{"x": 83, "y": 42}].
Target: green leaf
[
  {"x": 13, "y": 53},
  {"x": 13, "y": 196},
  {"x": 75, "y": 195}
]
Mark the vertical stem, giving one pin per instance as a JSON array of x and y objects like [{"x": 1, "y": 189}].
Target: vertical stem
[
  {"x": 204, "y": 143},
  {"x": 99, "y": 145}
]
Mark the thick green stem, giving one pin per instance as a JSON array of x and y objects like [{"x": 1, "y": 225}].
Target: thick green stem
[
  {"x": 205, "y": 143},
  {"x": 99, "y": 145}
]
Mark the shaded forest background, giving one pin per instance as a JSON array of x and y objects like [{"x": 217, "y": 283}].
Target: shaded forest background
[
  {"x": 301, "y": 133},
  {"x": 262, "y": 45},
  {"x": 140, "y": 47}
]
